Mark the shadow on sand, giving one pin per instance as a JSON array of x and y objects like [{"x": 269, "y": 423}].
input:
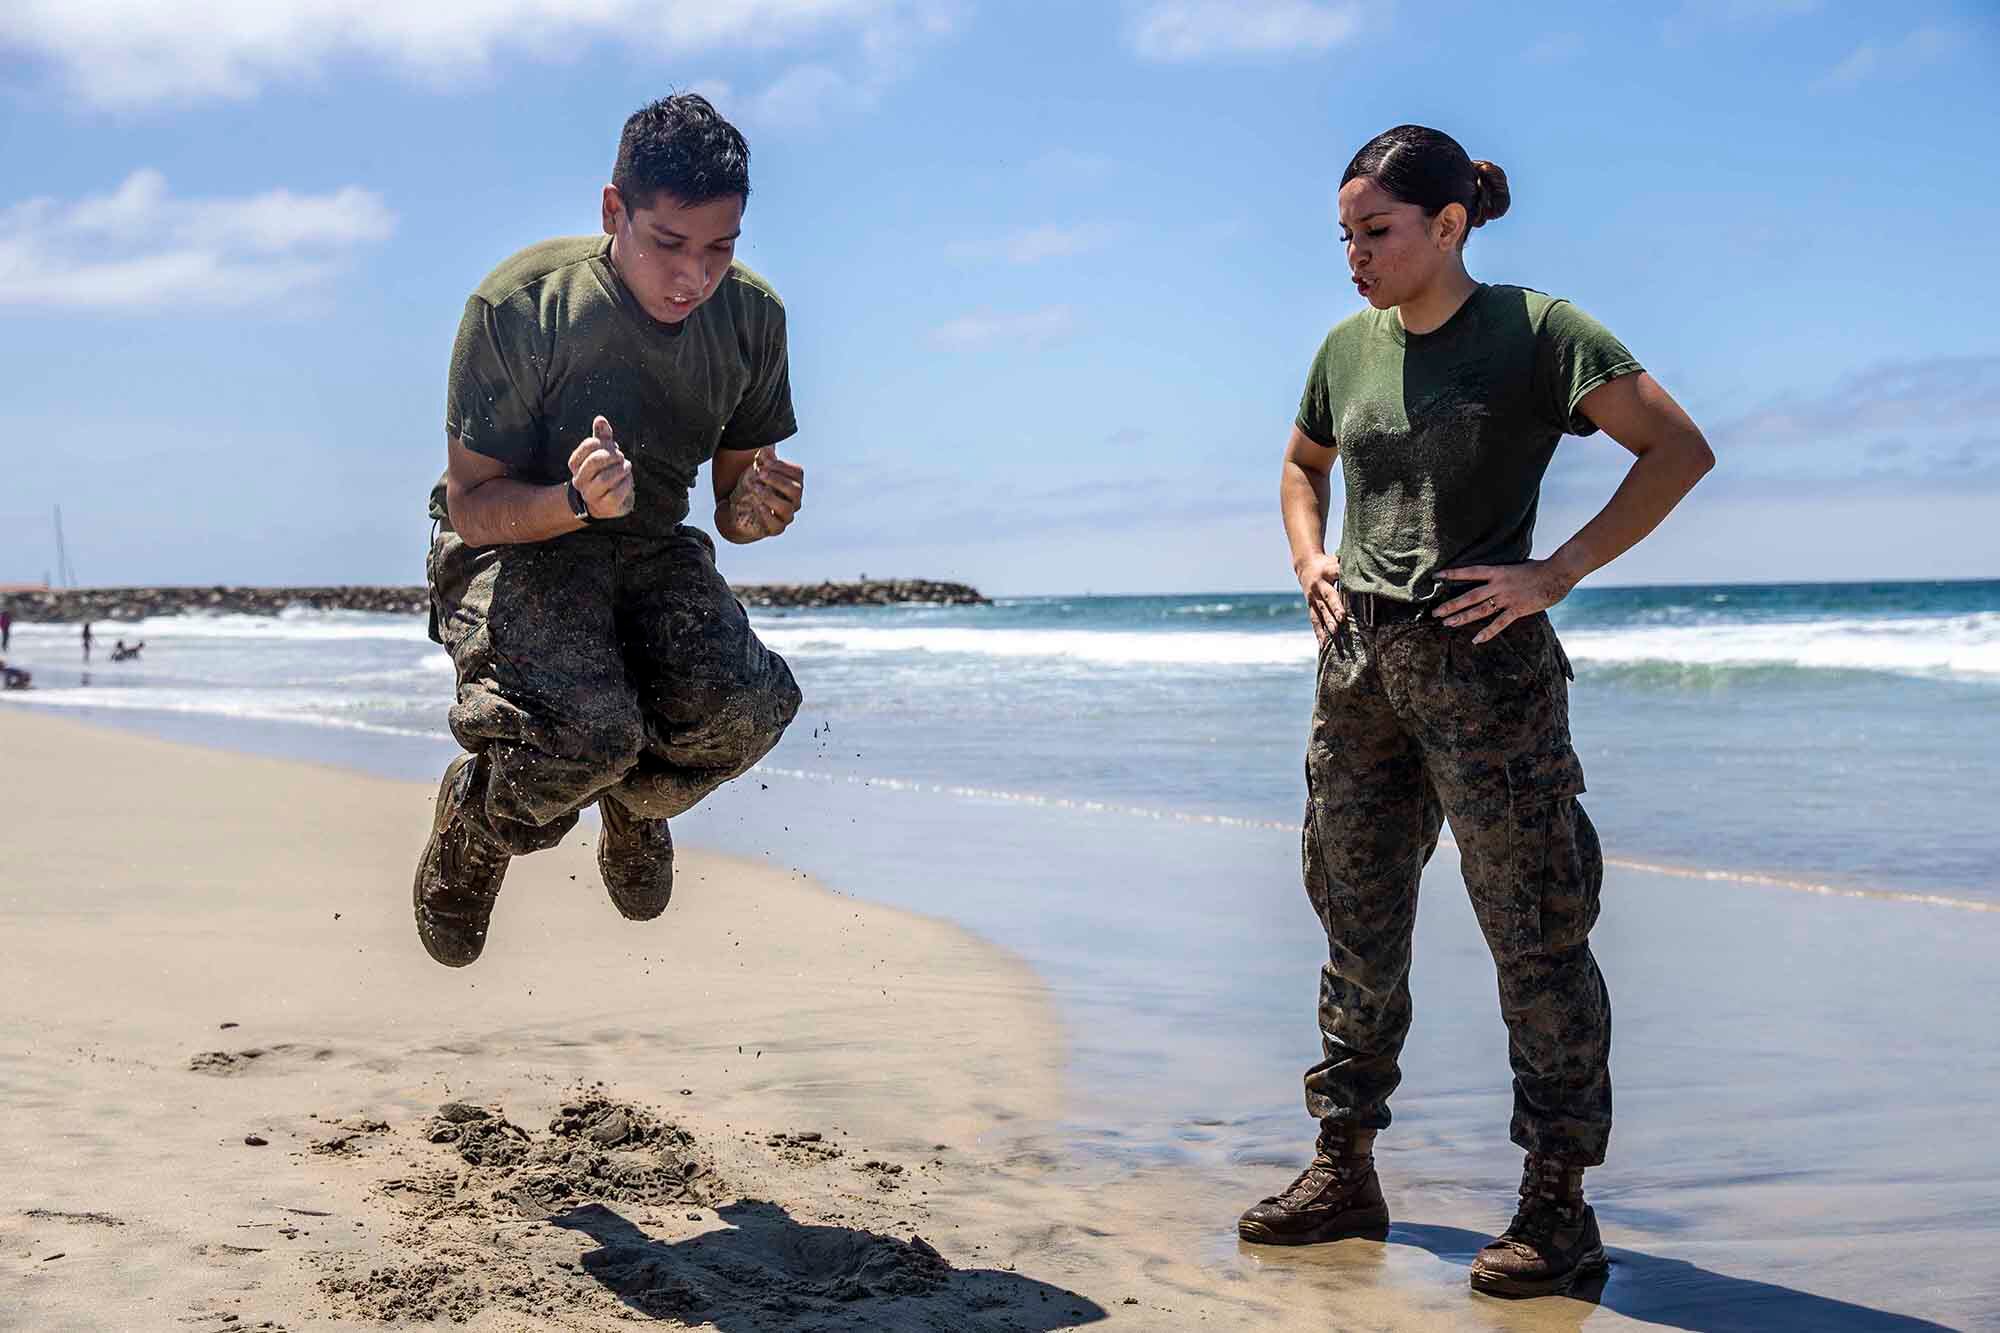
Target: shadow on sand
[
  {"x": 1677, "y": 1294},
  {"x": 766, "y": 1270}
]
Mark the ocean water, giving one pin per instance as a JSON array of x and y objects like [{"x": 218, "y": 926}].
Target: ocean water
[{"x": 1845, "y": 736}]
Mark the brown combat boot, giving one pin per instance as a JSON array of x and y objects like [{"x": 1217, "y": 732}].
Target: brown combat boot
[
  {"x": 636, "y": 858},
  {"x": 1552, "y": 1243},
  {"x": 1334, "y": 1197},
  {"x": 458, "y": 878}
]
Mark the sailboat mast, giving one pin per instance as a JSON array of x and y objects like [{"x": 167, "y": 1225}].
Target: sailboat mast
[{"x": 63, "y": 571}]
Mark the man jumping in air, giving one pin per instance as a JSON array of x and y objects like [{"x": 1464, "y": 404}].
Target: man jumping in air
[{"x": 600, "y": 655}]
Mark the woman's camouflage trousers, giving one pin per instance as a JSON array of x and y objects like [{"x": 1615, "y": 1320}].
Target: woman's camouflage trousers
[{"x": 1416, "y": 726}]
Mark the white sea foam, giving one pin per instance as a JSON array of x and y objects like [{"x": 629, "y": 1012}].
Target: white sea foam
[
  {"x": 297, "y": 623},
  {"x": 1219, "y": 648},
  {"x": 1967, "y": 645}
]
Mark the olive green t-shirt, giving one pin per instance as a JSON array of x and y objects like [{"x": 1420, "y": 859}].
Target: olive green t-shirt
[
  {"x": 1444, "y": 436},
  {"x": 553, "y": 338}
]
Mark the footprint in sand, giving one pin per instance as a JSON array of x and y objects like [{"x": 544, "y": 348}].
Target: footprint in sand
[
  {"x": 74, "y": 1219},
  {"x": 225, "y": 1064}
]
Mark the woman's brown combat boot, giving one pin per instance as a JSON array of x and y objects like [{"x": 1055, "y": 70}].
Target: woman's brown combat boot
[
  {"x": 1335, "y": 1197},
  {"x": 1552, "y": 1243}
]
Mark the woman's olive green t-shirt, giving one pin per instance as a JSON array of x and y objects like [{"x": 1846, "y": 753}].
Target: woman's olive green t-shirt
[{"x": 1444, "y": 436}]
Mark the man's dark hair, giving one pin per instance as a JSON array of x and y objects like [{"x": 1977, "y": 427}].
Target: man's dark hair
[
  {"x": 1426, "y": 167},
  {"x": 680, "y": 145}
]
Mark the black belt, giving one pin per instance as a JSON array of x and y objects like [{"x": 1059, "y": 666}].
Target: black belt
[{"x": 1369, "y": 610}]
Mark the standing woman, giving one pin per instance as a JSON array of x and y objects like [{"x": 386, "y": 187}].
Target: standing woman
[{"x": 1442, "y": 689}]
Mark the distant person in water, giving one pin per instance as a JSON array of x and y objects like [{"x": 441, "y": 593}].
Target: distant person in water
[
  {"x": 13, "y": 678},
  {"x": 6, "y": 629},
  {"x": 120, "y": 652},
  {"x": 601, "y": 658},
  {"x": 1442, "y": 690},
  {"x": 86, "y": 640}
]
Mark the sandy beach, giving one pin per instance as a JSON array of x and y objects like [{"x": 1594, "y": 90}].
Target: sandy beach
[
  {"x": 235, "y": 1094},
  {"x": 223, "y": 1053}
]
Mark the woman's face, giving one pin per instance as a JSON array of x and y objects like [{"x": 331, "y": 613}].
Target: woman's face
[{"x": 1393, "y": 250}]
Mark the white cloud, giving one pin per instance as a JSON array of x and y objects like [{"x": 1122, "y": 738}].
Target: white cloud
[
  {"x": 1031, "y": 245},
  {"x": 139, "y": 248},
  {"x": 136, "y": 52},
  {"x": 805, "y": 97},
  {"x": 1178, "y": 30},
  {"x": 1937, "y": 400},
  {"x": 1033, "y": 326},
  {"x": 1895, "y": 60}
]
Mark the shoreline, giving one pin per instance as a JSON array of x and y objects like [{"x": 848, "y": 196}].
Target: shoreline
[{"x": 132, "y": 721}]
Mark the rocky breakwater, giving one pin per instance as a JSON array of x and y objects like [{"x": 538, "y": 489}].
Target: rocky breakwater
[
  {"x": 74, "y": 604},
  {"x": 41, "y": 605},
  {"x": 877, "y": 592}
]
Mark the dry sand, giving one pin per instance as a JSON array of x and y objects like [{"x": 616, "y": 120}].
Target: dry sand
[{"x": 235, "y": 1094}]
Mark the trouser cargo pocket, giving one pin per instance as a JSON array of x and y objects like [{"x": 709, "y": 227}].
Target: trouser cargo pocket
[{"x": 1558, "y": 861}]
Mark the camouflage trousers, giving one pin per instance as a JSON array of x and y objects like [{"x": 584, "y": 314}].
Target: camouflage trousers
[
  {"x": 596, "y": 666},
  {"x": 1415, "y": 725}
]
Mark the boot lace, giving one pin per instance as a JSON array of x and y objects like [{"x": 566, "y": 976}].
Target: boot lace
[
  {"x": 1311, "y": 1183},
  {"x": 1547, "y": 1205},
  {"x": 1330, "y": 1166},
  {"x": 465, "y": 865}
]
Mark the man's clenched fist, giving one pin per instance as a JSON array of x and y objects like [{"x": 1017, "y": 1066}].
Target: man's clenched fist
[
  {"x": 601, "y": 473},
  {"x": 768, "y": 497}
]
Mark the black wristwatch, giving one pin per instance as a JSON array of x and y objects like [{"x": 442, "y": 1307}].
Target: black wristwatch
[{"x": 576, "y": 504}]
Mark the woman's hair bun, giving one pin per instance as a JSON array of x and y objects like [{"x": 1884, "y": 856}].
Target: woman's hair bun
[{"x": 1490, "y": 195}]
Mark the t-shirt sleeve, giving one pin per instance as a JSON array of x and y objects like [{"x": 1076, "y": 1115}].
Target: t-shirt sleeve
[
  {"x": 1578, "y": 354},
  {"x": 764, "y": 416},
  {"x": 493, "y": 402},
  {"x": 1315, "y": 419}
]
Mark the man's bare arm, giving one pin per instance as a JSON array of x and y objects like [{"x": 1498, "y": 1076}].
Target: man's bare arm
[{"x": 490, "y": 508}]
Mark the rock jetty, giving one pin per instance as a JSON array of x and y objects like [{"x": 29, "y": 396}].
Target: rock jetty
[
  {"x": 40, "y": 605},
  {"x": 876, "y": 592}
]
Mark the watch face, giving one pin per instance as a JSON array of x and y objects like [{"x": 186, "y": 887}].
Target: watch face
[{"x": 576, "y": 503}]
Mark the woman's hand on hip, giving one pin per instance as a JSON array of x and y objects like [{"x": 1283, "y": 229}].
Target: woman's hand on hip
[
  {"x": 1319, "y": 579},
  {"x": 1504, "y": 594}
]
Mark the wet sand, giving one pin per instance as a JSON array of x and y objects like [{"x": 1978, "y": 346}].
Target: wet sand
[{"x": 782, "y": 1108}]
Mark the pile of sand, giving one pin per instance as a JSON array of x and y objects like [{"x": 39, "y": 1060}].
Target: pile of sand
[{"x": 487, "y": 1219}]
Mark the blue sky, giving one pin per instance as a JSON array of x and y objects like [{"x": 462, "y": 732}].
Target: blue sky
[{"x": 1054, "y": 270}]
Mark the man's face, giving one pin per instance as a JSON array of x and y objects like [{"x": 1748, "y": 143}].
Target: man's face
[{"x": 671, "y": 254}]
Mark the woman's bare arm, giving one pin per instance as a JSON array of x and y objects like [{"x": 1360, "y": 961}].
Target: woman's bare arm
[
  {"x": 1669, "y": 457},
  {"x": 1305, "y": 490}
]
